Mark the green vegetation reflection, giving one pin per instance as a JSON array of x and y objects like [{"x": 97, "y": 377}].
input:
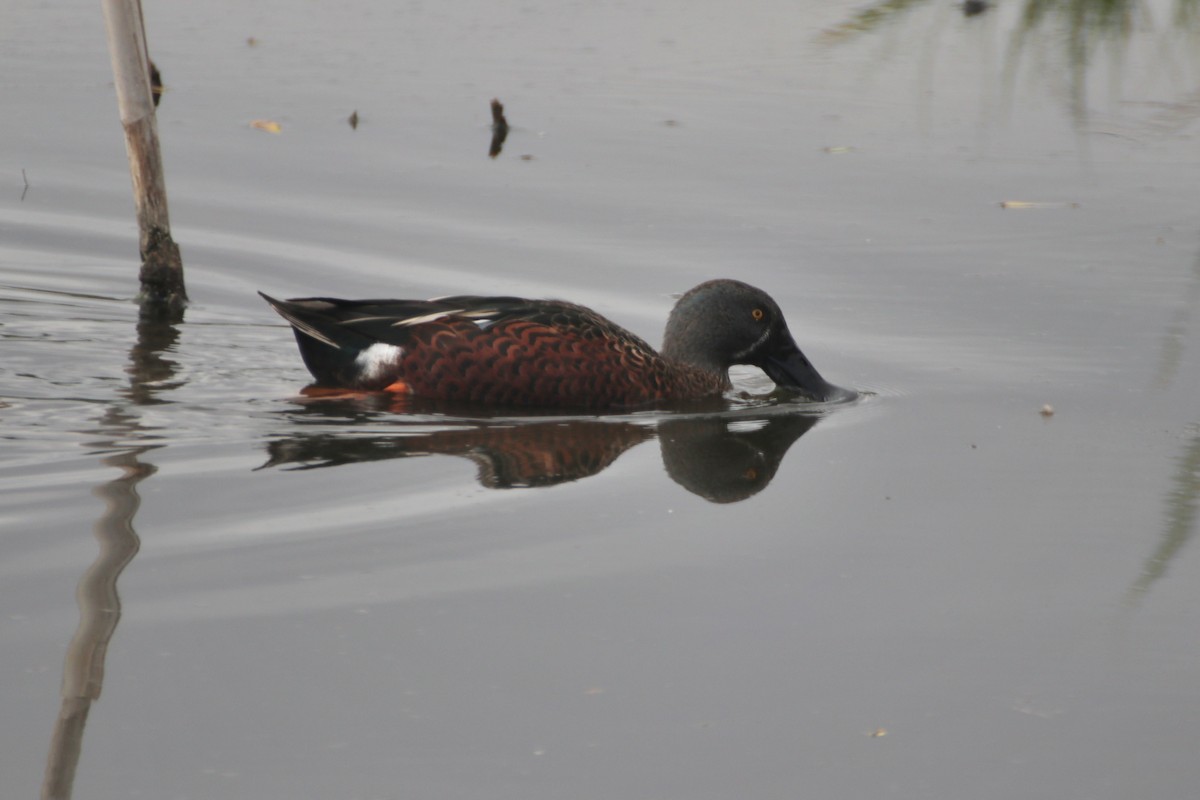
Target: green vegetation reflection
[{"x": 1064, "y": 36}]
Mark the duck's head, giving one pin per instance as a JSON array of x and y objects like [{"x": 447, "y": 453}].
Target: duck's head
[{"x": 725, "y": 322}]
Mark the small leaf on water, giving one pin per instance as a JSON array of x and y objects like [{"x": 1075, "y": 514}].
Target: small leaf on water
[
  {"x": 1027, "y": 204},
  {"x": 266, "y": 125}
]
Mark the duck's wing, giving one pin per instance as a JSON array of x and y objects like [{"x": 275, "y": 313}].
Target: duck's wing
[
  {"x": 357, "y": 324},
  {"x": 341, "y": 341},
  {"x": 568, "y": 319}
]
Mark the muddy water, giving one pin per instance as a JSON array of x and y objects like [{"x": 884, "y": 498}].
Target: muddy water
[{"x": 936, "y": 591}]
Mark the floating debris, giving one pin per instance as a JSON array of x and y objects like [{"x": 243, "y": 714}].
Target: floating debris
[
  {"x": 353, "y": 120},
  {"x": 1047, "y": 410},
  {"x": 837, "y": 149},
  {"x": 1028, "y": 204},
  {"x": 499, "y": 128},
  {"x": 266, "y": 125},
  {"x": 878, "y": 733},
  {"x": 1027, "y": 707},
  {"x": 251, "y": 41}
]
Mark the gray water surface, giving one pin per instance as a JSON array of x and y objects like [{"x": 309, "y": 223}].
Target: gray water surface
[{"x": 936, "y": 591}]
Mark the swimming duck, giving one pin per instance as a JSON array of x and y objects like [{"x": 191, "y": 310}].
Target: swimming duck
[{"x": 547, "y": 353}]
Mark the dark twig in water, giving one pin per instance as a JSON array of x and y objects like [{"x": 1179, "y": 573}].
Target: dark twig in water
[
  {"x": 24, "y": 191},
  {"x": 353, "y": 120},
  {"x": 498, "y": 120},
  {"x": 973, "y": 8},
  {"x": 499, "y": 129}
]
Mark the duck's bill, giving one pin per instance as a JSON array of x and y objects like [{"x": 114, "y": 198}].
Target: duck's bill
[{"x": 792, "y": 371}]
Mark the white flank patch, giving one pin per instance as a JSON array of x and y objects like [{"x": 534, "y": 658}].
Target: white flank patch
[{"x": 377, "y": 358}]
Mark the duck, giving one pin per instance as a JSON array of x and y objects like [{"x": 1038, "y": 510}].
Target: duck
[{"x": 512, "y": 351}]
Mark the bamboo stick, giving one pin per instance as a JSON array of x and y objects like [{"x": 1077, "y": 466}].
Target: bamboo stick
[{"x": 161, "y": 275}]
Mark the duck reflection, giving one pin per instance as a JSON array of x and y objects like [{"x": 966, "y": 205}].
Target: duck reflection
[
  {"x": 509, "y": 457},
  {"x": 723, "y": 456}
]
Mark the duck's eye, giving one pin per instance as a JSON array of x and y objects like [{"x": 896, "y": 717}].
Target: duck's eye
[{"x": 757, "y": 314}]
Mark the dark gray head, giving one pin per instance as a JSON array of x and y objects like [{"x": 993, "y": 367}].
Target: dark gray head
[{"x": 724, "y": 322}]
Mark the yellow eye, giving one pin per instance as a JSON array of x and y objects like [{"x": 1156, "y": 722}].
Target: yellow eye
[{"x": 757, "y": 314}]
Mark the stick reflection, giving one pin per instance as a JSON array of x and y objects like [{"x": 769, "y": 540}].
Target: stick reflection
[{"x": 97, "y": 597}]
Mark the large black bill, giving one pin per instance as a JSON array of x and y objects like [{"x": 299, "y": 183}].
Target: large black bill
[{"x": 791, "y": 370}]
